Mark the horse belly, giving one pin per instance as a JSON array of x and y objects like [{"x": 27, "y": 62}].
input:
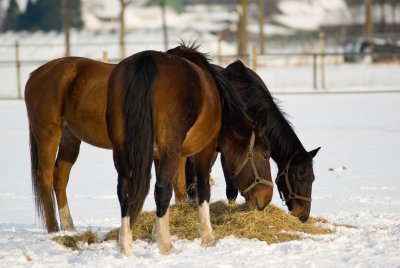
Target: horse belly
[{"x": 85, "y": 115}]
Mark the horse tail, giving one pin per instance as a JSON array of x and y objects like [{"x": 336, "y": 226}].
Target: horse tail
[
  {"x": 35, "y": 174},
  {"x": 139, "y": 75}
]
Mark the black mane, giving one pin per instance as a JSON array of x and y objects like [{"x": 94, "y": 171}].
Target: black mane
[
  {"x": 234, "y": 110},
  {"x": 264, "y": 111}
]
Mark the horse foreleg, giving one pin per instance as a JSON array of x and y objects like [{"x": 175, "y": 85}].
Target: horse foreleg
[
  {"x": 203, "y": 163},
  {"x": 67, "y": 154},
  {"x": 231, "y": 191}
]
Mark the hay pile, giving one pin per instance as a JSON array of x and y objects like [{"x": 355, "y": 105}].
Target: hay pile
[{"x": 273, "y": 225}]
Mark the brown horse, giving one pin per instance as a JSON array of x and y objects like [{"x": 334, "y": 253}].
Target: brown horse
[
  {"x": 66, "y": 103},
  {"x": 178, "y": 102}
]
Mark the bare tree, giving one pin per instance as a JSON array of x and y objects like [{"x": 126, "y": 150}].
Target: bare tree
[
  {"x": 164, "y": 24},
  {"x": 242, "y": 27},
  {"x": 261, "y": 16},
  {"x": 369, "y": 21},
  {"x": 67, "y": 25},
  {"x": 123, "y": 4}
]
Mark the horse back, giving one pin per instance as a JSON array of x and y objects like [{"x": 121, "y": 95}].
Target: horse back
[
  {"x": 71, "y": 91},
  {"x": 191, "y": 97}
]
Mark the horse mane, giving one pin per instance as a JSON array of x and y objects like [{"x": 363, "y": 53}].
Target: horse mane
[
  {"x": 264, "y": 110},
  {"x": 234, "y": 111}
]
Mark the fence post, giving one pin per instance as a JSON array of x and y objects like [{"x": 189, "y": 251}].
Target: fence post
[
  {"x": 322, "y": 43},
  {"x": 314, "y": 56},
  {"x": 105, "y": 56},
  {"x": 219, "y": 49},
  {"x": 254, "y": 58},
  {"x": 18, "y": 66}
]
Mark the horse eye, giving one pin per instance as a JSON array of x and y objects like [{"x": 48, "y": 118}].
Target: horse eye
[{"x": 265, "y": 155}]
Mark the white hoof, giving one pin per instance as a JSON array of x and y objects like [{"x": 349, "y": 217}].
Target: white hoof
[{"x": 208, "y": 241}]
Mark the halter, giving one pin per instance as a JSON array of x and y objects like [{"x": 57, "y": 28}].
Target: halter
[
  {"x": 291, "y": 195},
  {"x": 250, "y": 158}
]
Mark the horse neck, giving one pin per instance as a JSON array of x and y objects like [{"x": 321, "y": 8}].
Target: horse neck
[{"x": 284, "y": 142}]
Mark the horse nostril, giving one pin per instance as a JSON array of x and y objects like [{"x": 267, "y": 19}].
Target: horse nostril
[{"x": 303, "y": 218}]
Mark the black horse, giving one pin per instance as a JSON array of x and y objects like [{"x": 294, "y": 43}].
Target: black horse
[{"x": 295, "y": 164}]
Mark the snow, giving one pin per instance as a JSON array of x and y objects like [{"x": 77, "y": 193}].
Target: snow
[{"x": 356, "y": 131}]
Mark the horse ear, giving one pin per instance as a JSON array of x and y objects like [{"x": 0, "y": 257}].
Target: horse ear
[
  {"x": 236, "y": 67},
  {"x": 314, "y": 152}
]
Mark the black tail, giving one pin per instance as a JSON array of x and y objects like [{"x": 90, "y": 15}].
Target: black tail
[
  {"x": 140, "y": 73},
  {"x": 35, "y": 175}
]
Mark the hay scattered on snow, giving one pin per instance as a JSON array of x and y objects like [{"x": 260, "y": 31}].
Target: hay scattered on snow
[
  {"x": 273, "y": 225},
  {"x": 72, "y": 242}
]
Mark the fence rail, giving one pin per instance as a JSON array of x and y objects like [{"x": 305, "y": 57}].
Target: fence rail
[{"x": 267, "y": 64}]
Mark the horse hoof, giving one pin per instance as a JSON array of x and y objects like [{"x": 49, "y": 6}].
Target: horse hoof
[
  {"x": 210, "y": 242},
  {"x": 126, "y": 253},
  {"x": 167, "y": 250}
]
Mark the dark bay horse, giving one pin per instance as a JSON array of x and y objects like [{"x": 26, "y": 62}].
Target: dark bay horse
[
  {"x": 178, "y": 102},
  {"x": 66, "y": 103},
  {"x": 295, "y": 164}
]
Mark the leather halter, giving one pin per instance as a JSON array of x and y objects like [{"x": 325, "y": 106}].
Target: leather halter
[
  {"x": 250, "y": 158},
  {"x": 291, "y": 195}
]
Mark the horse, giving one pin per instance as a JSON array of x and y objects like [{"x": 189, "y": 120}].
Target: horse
[
  {"x": 66, "y": 104},
  {"x": 295, "y": 165},
  {"x": 178, "y": 102}
]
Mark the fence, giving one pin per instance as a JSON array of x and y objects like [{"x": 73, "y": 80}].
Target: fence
[{"x": 280, "y": 71}]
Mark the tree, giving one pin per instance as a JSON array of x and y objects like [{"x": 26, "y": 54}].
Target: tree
[
  {"x": 28, "y": 20},
  {"x": 47, "y": 15},
  {"x": 12, "y": 15},
  {"x": 242, "y": 27}
]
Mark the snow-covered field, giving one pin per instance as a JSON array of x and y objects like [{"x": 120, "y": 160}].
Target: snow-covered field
[{"x": 357, "y": 131}]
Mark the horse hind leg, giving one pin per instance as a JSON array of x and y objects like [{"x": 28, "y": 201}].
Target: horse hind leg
[
  {"x": 163, "y": 192},
  {"x": 44, "y": 144},
  {"x": 68, "y": 152},
  {"x": 203, "y": 163}
]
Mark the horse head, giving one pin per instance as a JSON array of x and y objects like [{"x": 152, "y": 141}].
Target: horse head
[
  {"x": 246, "y": 162},
  {"x": 295, "y": 164},
  {"x": 294, "y": 182}
]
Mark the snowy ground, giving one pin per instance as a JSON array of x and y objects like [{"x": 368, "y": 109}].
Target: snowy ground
[{"x": 357, "y": 131}]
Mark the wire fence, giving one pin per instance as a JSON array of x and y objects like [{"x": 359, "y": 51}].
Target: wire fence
[{"x": 281, "y": 71}]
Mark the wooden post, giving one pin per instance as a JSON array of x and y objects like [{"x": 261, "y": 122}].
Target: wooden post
[
  {"x": 314, "y": 71},
  {"x": 219, "y": 49},
  {"x": 18, "y": 66},
  {"x": 105, "y": 56},
  {"x": 254, "y": 58},
  {"x": 322, "y": 44}
]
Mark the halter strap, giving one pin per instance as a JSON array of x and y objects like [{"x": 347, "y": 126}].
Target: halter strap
[
  {"x": 285, "y": 173},
  {"x": 250, "y": 158}
]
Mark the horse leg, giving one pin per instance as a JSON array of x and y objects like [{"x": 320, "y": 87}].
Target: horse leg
[
  {"x": 47, "y": 140},
  {"x": 68, "y": 152},
  {"x": 191, "y": 179},
  {"x": 231, "y": 191},
  {"x": 125, "y": 233},
  {"x": 163, "y": 193},
  {"x": 203, "y": 163},
  {"x": 180, "y": 182}
]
